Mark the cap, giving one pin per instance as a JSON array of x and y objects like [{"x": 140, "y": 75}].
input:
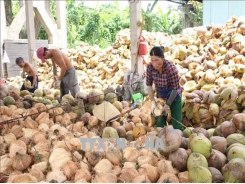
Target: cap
[{"x": 40, "y": 53}]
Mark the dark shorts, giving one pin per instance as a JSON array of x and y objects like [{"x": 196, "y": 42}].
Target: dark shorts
[{"x": 30, "y": 78}]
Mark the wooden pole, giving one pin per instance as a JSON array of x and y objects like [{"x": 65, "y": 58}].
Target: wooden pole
[
  {"x": 3, "y": 35},
  {"x": 135, "y": 19},
  {"x": 30, "y": 30}
]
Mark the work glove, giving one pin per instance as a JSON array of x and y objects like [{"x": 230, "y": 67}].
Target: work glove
[
  {"x": 56, "y": 83},
  {"x": 165, "y": 110},
  {"x": 153, "y": 106}
]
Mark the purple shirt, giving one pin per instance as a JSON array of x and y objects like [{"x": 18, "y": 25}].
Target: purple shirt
[{"x": 167, "y": 81}]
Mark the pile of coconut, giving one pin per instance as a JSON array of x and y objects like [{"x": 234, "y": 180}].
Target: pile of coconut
[{"x": 42, "y": 140}]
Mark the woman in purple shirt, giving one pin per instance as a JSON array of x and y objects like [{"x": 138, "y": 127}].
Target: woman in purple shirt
[{"x": 164, "y": 75}]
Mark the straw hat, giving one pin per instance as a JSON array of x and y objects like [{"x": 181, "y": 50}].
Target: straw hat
[{"x": 105, "y": 111}]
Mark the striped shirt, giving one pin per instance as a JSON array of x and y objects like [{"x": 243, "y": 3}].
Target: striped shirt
[{"x": 168, "y": 80}]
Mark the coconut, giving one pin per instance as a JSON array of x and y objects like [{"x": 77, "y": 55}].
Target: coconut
[
  {"x": 111, "y": 97},
  {"x": 82, "y": 174},
  {"x": 139, "y": 131},
  {"x": 150, "y": 171},
  {"x": 121, "y": 131},
  {"x": 200, "y": 130},
  {"x": 219, "y": 143},
  {"x": 128, "y": 174},
  {"x": 85, "y": 117},
  {"x": 233, "y": 145},
  {"x": 217, "y": 159},
  {"x": 183, "y": 177},
  {"x": 211, "y": 131},
  {"x": 69, "y": 169},
  {"x": 165, "y": 166},
  {"x": 201, "y": 144},
  {"x": 239, "y": 121},
  {"x": 235, "y": 138},
  {"x": 104, "y": 178},
  {"x": 68, "y": 98},
  {"x": 196, "y": 159},
  {"x": 114, "y": 156},
  {"x": 236, "y": 152},
  {"x": 187, "y": 132},
  {"x": 234, "y": 171},
  {"x": 38, "y": 93},
  {"x": 109, "y": 132},
  {"x": 103, "y": 166},
  {"x": 118, "y": 105},
  {"x": 141, "y": 179},
  {"x": 171, "y": 139},
  {"x": 179, "y": 159},
  {"x": 227, "y": 128},
  {"x": 93, "y": 97},
  {"x": 21, "y": 161},
  {"x": 199, "y": 174},
  {"x": 217, "y": 176},
  {"x": 130, "y": 154},
  {"x": 8, "y": 100},
  {"x": 168, "y": 178},
  {"x": 37, "y": 174},
  {"x": 94, "y": 157}
]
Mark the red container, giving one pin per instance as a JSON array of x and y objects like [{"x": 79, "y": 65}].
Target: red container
[{"x": 143, "y": 46}]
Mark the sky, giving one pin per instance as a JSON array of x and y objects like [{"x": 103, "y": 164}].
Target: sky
[{"x": 124, "y": 3}]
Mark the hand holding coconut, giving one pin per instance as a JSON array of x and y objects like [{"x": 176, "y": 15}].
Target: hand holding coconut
[{"x": 165, "y": 109}]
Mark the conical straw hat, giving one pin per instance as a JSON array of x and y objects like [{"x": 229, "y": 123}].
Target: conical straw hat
[{"x": 105, "y": 111}]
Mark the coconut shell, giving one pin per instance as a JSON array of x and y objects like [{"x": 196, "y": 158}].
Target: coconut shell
[
  {"x": 105, "y": 111},
  {"x": 217, "y": 176},
  {"x": 217, "y": 159},
  {"x": 179, "y": 159}
]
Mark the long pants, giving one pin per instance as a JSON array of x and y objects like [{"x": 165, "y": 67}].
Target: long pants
[
  {"x": 176, "y": 114},
  {"x": 69, "y": 83}
]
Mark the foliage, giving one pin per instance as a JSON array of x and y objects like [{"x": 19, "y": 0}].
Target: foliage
[
  {"x": 101, "y": 24},
  {"x": 197, "y": 14}
]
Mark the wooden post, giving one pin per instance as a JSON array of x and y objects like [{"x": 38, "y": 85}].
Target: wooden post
[
  {"x": 3, "y": 35},
  {"x": 135, "y": 18},
  {"x": 30, "y": 30}
]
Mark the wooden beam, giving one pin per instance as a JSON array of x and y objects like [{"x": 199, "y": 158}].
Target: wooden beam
[
  {"x": 61, "y": 21},
  {"x": 3, "y": 35},
  {"x": 14, "y": 29},
  {"x": 30, "y": 30}
]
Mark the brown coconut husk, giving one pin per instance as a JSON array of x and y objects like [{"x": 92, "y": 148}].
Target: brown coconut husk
[{"x": 105, "y": 111}]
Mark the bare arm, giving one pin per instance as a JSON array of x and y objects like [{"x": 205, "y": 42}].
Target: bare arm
[
  {"x": 60, "y": 61},
  {"x": 33, "y": 74}
]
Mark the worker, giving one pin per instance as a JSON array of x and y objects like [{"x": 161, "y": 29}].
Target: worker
[
  {"x": 67, "y": 80},
  {"x": 164, "y": 75},
  {"x": 31, "y": 72}
]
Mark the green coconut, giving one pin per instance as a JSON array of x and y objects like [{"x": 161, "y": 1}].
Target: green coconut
[
  {"x": 201, "y": 144},
  {"x": 68, "y": 98},
  {"x": 111, "y": 97},
  {"x": 211, "y": 131},
  {"x": 196, "y": 159},
  {"x": 235, "y": 138},
  {"x": 214, "y": 109},
  {"x": 234, "y": 171},
  {"x": 109, "y": 132},
  {"x": 199, "y": 174},
  {"x": 187, "y": 132},
  {"x": 236, "y": 152},
  {"x": 77, "y": 110},
  {"x": 8, "y": 100},
  {"x": 89, "y": 108},
  {"x": 38, "y": 93}
]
